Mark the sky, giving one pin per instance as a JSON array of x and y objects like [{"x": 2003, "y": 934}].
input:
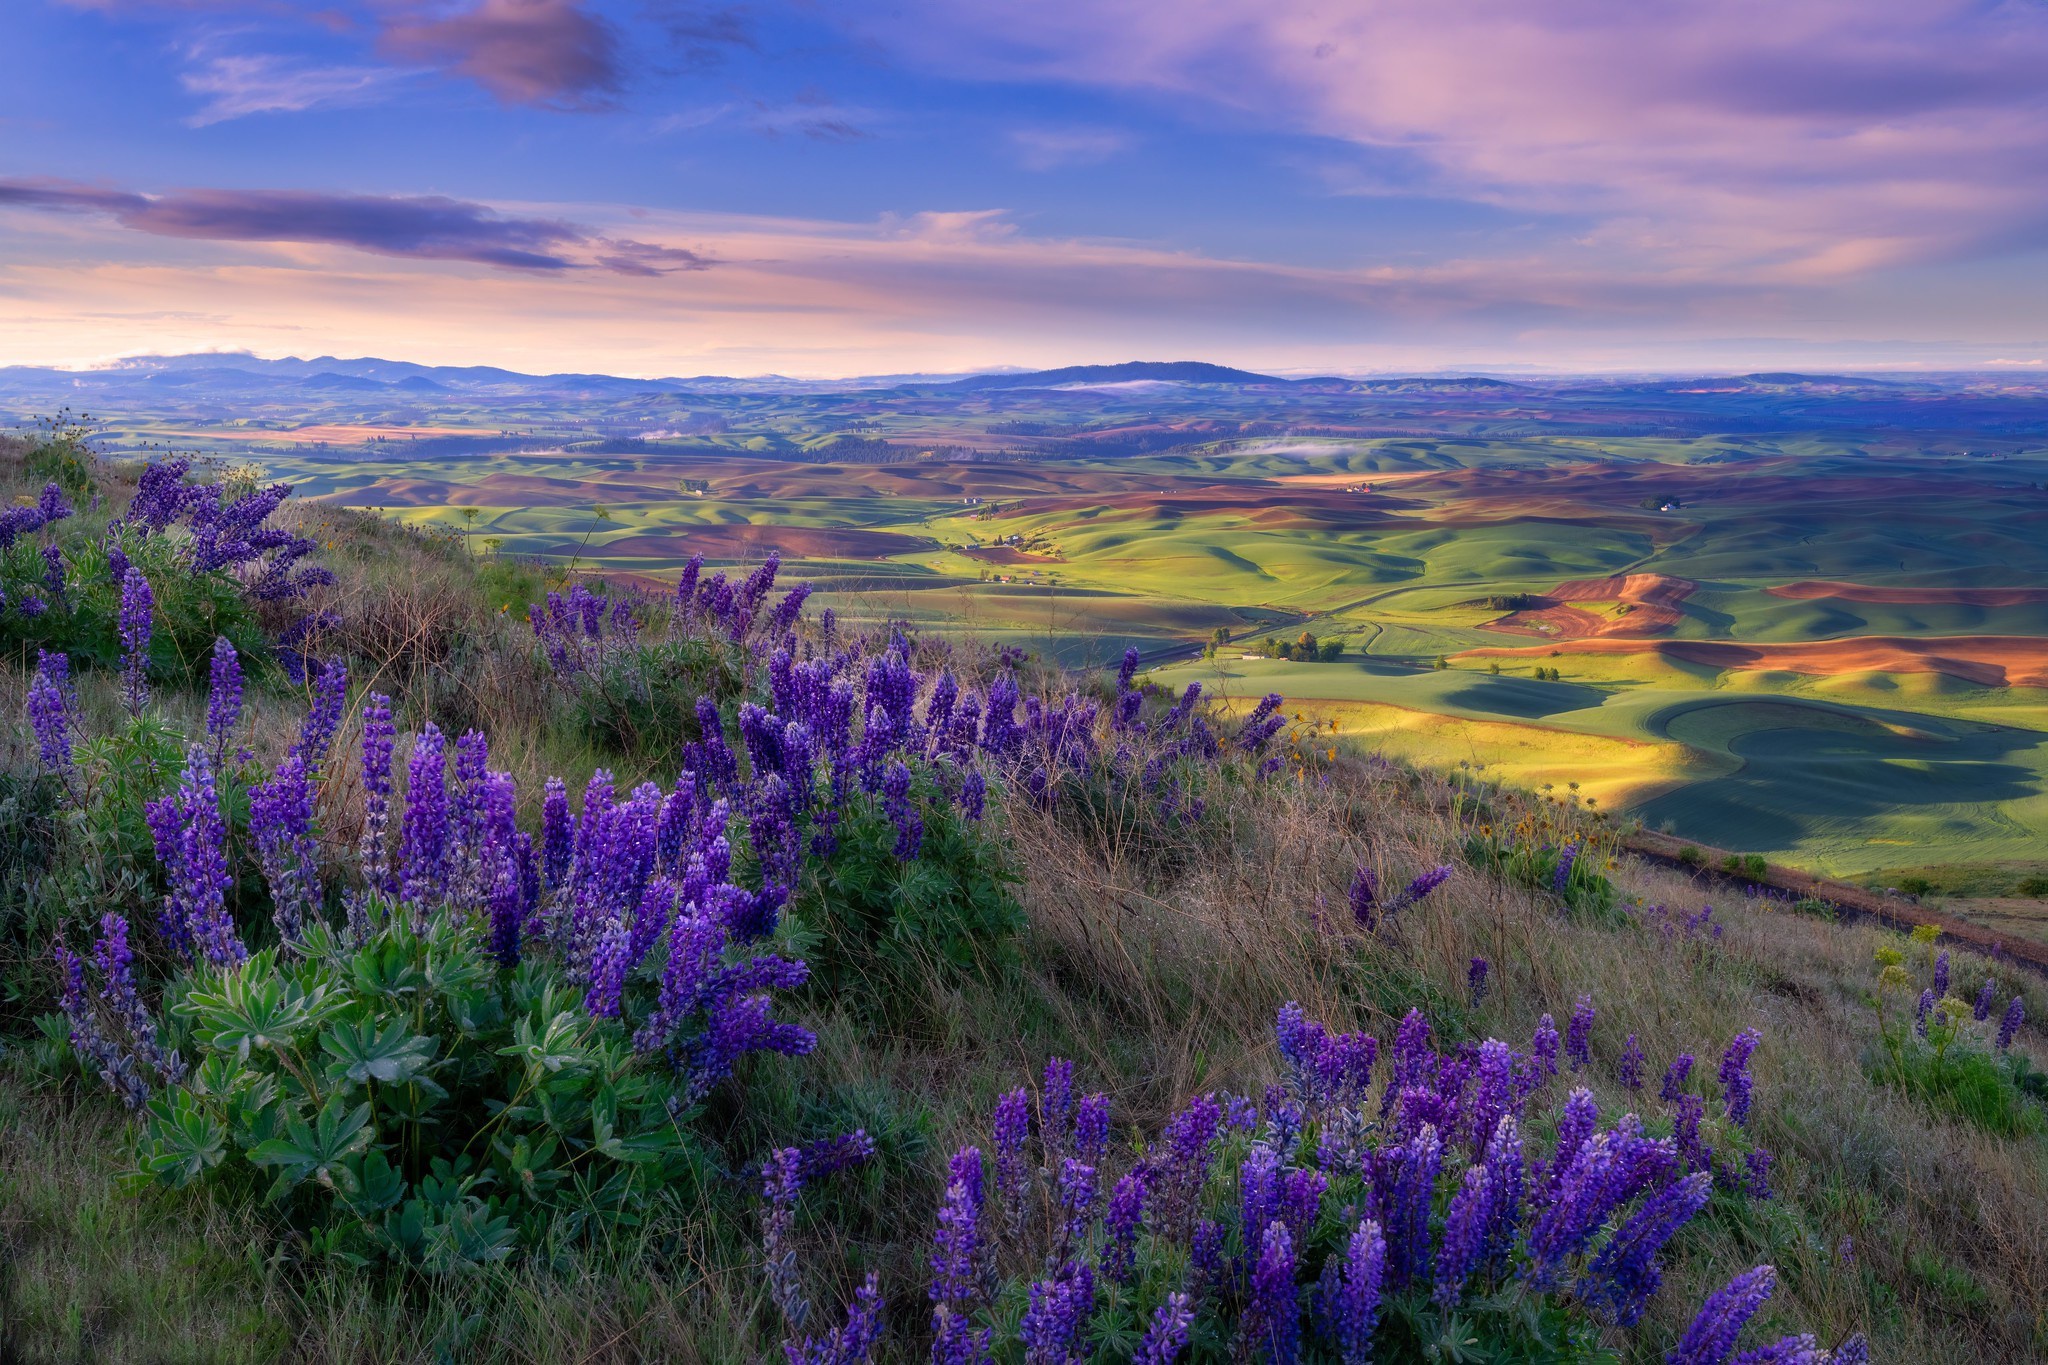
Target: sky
[{"x": 838, "y": 187}]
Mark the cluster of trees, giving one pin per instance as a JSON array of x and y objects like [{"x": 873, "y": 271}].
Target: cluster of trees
[{"x": 1304, "y": 648}]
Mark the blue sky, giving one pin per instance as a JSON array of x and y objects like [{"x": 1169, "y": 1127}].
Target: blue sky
[{"x": 658, "y": 187}]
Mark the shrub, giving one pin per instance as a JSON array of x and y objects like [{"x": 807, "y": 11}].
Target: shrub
[
  {"x": 882, "y": 922},
  {"x": 408, "y": 1099},
  {"x": 2032, "y": 886},
  {"x": 1691, "y": 856}
]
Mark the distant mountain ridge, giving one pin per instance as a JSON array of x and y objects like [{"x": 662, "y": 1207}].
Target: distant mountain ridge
[{"x": 1129, "y": 372}]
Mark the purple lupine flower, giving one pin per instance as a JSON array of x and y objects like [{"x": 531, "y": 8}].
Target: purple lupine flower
[
  {"x": 2009, "y": 1024},
  {"x": 956, "y": 1247},
  {"x": 1118, "y": 1258},
  {"x": 1505, "y": 1176},
  {"x": 53, "y": 572},
  {"x": 1091, "y": 1129},
  {"x": 1685, "y": 1131},
  {"x": 1543, "y": 1047},
  {"x": 1272, "y": 1319},
  {"x": 1675, "y": 1077},
  {"x": 973, "y": 794},
  {"x": 1579, "y": 1203},
  {"x": 1056, "y": 1108},
  {"x": 323, "y": 720},
  {"x": 1756, "y": 1173},
  {"x": 1465, "y": 1236},
  {"x": 223, "y": 696},
  {"x": 1013, "y": 1175},
  {"x": 1365, "y": 897},
  {"x": 609, "y": 963},
  {"x": 1987, "y": 995},
  {"x": 1921, "y": 1011},
  {"x": 1793, "y": 1350},
  {"x": 1167, "y": 1336},
  {"x": 1056, "y": 1322},
  {"x": 1079, "y": 1191},
  {"x": 1854, "y": 1351},
  {"x": 1493, "y": 1097},
  {"x": 1941, "y": 974},
  {"x": 115, "y": 1064},
  {"x": 1736, "y": 1082},
  {"x": 1420, "y": 888},
  {"x": 896, "y": 804},
  {"x": 1475, "y": 982},
  {"x": 1408, "y": 1205},
  {"x": 191, "y": 842},
  {"x": 378, "y": 735},
  {"x": 423, "y": 830},
  {"x": 1578, "y": 1037},
  {"x": 1711, "y": 1338},
  {"x": 1561, "y": 877},
  {"x": 1351, "y": 1295},
  {"x": 1630, "y": 1070},
  {"x": 1624, "y": 1274},
  {"x": 781, "y": 1183},
  {"x": 138, "y": 608},
  {"x": 281, "y": 825},
  {"x": 1180, "y": 1162},
  {"x": 49, "y": 710},
  {"x": 851, "y": 1343},
  {"x": 1575, "y": 1126}
]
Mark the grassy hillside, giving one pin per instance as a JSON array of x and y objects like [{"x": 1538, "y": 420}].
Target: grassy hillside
[{"x": 1142, "y": 903}]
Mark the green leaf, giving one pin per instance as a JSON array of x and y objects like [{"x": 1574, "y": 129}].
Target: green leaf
[
  {"x": 320, "y": 1150},
  {"x": 363, "y": 1052},
  {"x": 181, "y": 1141}
]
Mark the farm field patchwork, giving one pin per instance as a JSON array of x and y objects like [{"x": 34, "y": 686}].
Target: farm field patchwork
[{"x": 1806, "y": 617}]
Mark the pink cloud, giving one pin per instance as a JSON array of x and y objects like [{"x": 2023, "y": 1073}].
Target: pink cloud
[
  {"x": 544, "y": 52},
  {"x": 1796, "y": 141}
]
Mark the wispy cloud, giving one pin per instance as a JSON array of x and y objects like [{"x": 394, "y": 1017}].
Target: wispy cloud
[
  {"x": 1806, "y": 142},
  {"x": 238, "y": 85},
  {"x": 1050, "y": 149},
  {"x": 430, "y": 227}
]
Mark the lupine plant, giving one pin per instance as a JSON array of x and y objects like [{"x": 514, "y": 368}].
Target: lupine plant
[
  {"x": 1954, "y": 1055},
  {"x": 1371, "y": 1208},
  {"x": 567, "y": 996},
  {"x": 148, "y": 591}
]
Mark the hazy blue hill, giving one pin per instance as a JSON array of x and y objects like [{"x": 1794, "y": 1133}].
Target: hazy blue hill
[{"x": 1171, "y": 371}]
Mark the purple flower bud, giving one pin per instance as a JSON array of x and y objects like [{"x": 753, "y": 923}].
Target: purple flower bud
[
  {"x": 1578, "y": 1036},
  {"x": 2009, "y": 1025},
  {"x": 49, "y": 710},
  {"x": 224, "y": 696},
  {"x": 1736, "y": 1082},
  {"x": 1167, "y": 1336},
  {"x": 1055, "y": 1326},
  {"x": 1675, "y": 1078},
  {"x": 138, "y": 609},
  {"x": 1630, "y": 1070},
  {"x": 1561, "y": 877},
  {"x": 1465, "y": 1236},
  {"x": 1013, "y": 1176},
  {"x": 1941, "y": 974},
  {"x": 1987, "y": 995},
  {"x": 1475, "y": 982},
  {"x": 1351, "y": 1293},
  {"x": 1272, "y": 1319},
  {"x": 1711, "y": 1338}
]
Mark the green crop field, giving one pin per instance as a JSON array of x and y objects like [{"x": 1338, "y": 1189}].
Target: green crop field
[{"x": 1811, "y": 623}]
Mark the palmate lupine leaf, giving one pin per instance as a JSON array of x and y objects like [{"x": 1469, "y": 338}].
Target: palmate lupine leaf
[
  {"x": 319, "y": 1150},
  {"x": 364, "y": 1052},
  {"x": 557, "y": 1049},
  {"x": 181, "y": 1141},
  {"x": 252, "y": 1010}
]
